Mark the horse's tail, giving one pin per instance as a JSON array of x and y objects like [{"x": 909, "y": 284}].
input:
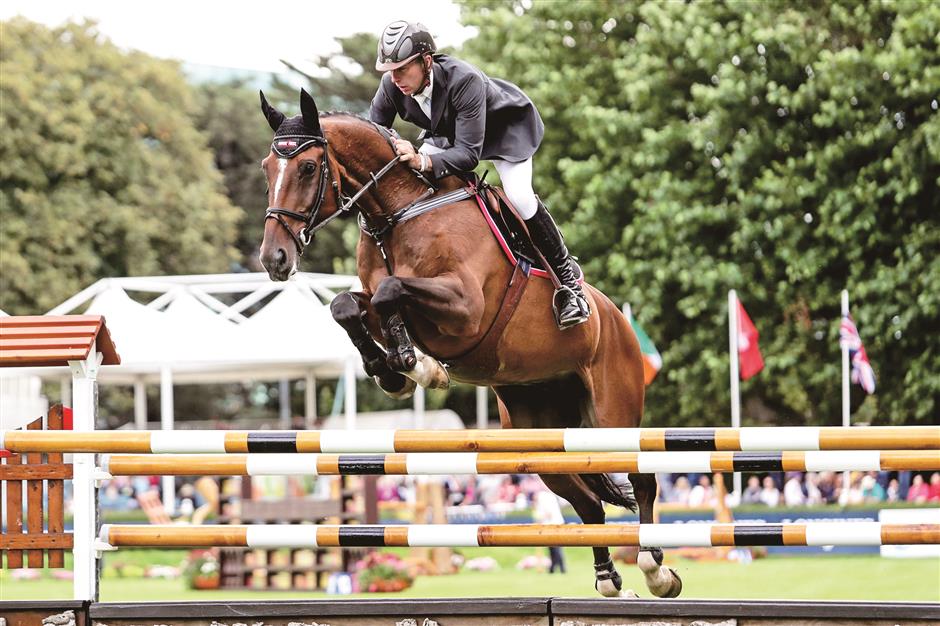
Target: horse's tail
[{"x": 609, "y": 490}]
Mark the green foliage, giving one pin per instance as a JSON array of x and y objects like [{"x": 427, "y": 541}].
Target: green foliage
[
  {"x": 103, "y": 172},
  {"x": 788, "y": 151},
  {"x": 230, "y": 117}
]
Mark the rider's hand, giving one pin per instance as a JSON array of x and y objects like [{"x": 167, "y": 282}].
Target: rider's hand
[
  {"x": 408, "y": 155},
  {"x": 405, "y": 149}
]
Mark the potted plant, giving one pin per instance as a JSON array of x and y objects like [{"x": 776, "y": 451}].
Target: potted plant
[
  {"x": 202, "y": 570},
  {"x": 382, "y": 572}
]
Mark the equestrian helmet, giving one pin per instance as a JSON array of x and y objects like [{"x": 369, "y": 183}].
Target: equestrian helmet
[{"x": 402, "y": 42}]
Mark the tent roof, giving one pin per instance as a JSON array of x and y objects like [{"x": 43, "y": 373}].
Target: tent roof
[{"x": 217, "y": 327}]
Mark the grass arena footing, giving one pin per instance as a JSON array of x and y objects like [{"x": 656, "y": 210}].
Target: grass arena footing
[{"x": 476, "y": 612}]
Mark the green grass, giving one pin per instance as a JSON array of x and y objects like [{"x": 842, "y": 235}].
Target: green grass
[{"x": 811, "y": 578}]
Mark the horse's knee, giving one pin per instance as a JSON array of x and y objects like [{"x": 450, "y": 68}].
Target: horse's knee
[
  {"x": 388, "y": 295},
  {"x": 345, "y": 310}
]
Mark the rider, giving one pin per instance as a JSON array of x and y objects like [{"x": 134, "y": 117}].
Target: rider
[{"x": 468, "y": 116}]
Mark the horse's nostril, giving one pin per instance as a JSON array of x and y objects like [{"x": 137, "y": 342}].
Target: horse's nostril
[{"x": 281, "y": 257}]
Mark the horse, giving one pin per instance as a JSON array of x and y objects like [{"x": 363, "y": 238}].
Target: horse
[{"x": 435, "y": 286}]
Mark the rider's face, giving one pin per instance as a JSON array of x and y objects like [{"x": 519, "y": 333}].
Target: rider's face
[{"x": 409, "y": 78}]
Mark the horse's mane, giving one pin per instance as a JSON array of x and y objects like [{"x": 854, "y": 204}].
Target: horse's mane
[{"x": 354, "y": 116}]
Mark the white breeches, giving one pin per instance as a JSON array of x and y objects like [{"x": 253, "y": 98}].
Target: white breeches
[{"x": 516, "y": 179}]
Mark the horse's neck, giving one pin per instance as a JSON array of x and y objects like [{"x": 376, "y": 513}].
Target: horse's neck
[{"x": 362, "y": 152}]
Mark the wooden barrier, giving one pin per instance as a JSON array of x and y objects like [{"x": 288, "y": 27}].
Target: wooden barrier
[
  {"x": 516, "y": 463},
  {"x": 515, "y": 535},
  {"x": 27, "y": 473},
  {"x": 797, "y": 438}
]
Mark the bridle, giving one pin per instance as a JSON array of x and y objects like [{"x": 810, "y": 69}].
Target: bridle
[{"x": 289, "y": 146}]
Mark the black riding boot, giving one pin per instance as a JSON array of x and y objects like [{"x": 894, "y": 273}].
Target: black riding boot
[{"x": 570, "y": 306}]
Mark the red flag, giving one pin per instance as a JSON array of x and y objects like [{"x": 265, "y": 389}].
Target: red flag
[{"x": 751, "y": 360}]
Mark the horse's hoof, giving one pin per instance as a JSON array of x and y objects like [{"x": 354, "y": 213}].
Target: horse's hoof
[
  {"x": 676, "y": 587},
  {"x": 406, "y": 391},
  {"x": 629, "y": 593},
  {"x": 608, "y": 589},
  {"x": 429, "y": 373}
]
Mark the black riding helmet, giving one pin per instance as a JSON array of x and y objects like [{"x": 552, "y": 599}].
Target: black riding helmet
[{"x": 401, "y": 42}]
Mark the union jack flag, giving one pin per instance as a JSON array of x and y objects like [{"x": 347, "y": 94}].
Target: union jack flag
[{"x": 862, "y": 373}]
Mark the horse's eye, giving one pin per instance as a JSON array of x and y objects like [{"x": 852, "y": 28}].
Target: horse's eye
[{"x": 307, "y": 168}]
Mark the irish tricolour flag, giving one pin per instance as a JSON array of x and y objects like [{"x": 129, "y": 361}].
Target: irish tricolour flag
[{"x": 652, "y": 361}]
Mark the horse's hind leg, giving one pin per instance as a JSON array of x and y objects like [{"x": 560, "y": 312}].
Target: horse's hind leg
[
  {"x": 559, "y": 404},
  {"x": 662, "y": 581},
  {"x": 616, "y": 387},
  {"x": 350, "y": 310},
  {"x": 591, "y": 511}
]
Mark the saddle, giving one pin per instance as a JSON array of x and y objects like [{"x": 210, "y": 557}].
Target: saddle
[{"x": 507, "y": 227}]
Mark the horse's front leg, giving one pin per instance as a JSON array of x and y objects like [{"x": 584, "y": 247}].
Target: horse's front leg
[
  {"x": 350, "y": 310},
  {"x": 441, "y": 300}
]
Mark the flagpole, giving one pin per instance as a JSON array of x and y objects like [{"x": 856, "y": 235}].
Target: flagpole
[
  {"x": 735, "y": 376},
  {"x": 846, "y": 408}
]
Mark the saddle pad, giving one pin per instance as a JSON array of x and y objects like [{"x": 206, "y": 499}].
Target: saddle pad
[{"x": 507, "y": 228}]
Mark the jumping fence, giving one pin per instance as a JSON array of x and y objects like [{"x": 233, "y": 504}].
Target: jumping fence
[{"x": 83, "y": 343}]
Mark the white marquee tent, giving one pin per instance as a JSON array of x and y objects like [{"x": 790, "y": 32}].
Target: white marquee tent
[{"x": 216, "y": 328}]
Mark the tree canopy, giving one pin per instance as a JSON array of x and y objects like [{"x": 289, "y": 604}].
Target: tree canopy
[
  {"x": 104, "y": 173},
  {"x": 787, "y": 151}
]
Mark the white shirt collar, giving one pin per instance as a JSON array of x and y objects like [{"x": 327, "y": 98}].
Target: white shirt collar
[{"x": 426, "y": 93}]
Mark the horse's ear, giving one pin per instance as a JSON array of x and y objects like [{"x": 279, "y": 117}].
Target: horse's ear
[
  {"x": 308, "y": 108},
  {"x": 271, "y": 114}
]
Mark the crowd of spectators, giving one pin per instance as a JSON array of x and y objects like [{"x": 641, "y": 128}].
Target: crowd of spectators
[
  {"x": 500, "y": 493},
  {"x": 790, "y": 489}
]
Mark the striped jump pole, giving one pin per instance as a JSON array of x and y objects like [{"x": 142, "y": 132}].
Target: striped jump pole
[
  {"x": 516, "y": 535},
  {"x": 801, "y": 438},
  {"x": 430, "y": 463}
]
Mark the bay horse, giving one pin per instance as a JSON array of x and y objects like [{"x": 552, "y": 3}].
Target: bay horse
[{"x": 437, "y": 279}]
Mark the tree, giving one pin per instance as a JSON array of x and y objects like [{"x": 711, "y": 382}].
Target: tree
[
  {"x": 104, "y": 173},
  {"x": 785, "y": 151}
]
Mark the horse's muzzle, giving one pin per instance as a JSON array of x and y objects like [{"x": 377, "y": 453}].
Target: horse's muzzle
[{"x": 278, "y": 263}]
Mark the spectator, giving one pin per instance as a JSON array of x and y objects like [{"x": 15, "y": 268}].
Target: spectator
[
  {"x": 752, "y": 491},
  {"x": 894, "y": 490},
  {"x": 854, "y": 493},
  {"x": 770, "y": 495},
  {"x": 813, "y": 494},
  {"x": 933, "y": 492},
  {"x": 702, "y": 494},
  {"x": 828, "y": 487},
  {"x": 871, "y": 491},
  {"x": 919, "y": 490},
  {"x": 793, "y": 490},
  {"x": 547, "y": 510},
  {"x": 681, "y": 491}
]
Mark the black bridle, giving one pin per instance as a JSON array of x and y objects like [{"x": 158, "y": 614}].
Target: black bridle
[{"x": 289, "y": 146}]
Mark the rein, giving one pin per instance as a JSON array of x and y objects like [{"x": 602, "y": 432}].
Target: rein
[{"x": 289, "y": 146}]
